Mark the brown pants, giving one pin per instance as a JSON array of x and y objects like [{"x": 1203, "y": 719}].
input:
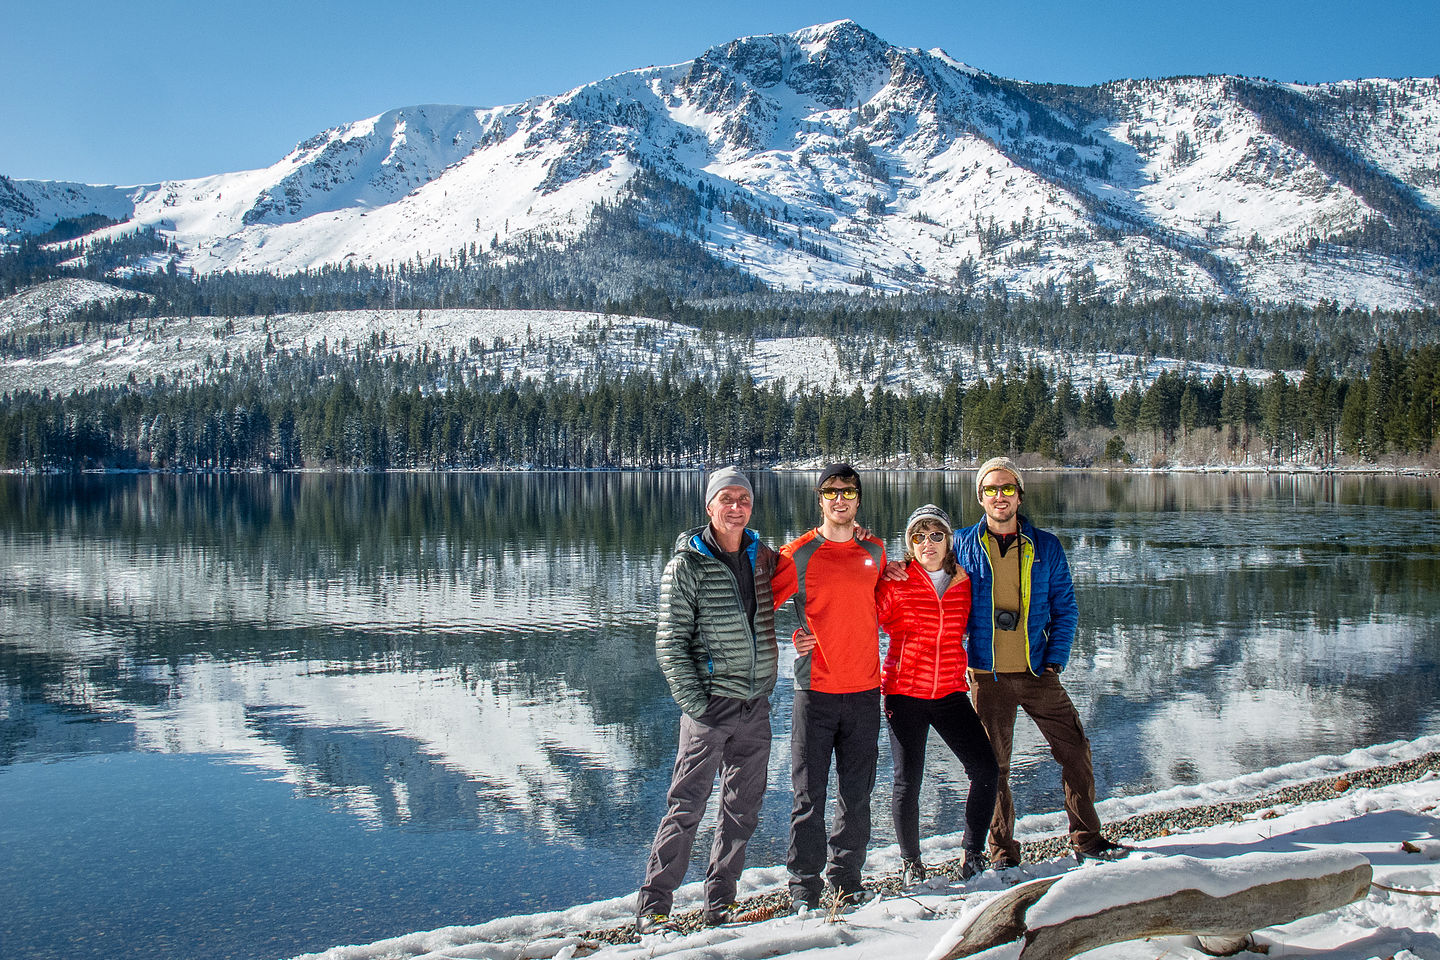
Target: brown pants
[{"x": 997, "y": 697}]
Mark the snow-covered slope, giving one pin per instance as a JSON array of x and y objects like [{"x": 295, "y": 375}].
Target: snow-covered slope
[
  {"x": 538, "y": 344},
  {"x": 827, "y": 157},
  {"x": 34, "y": 206},
  {"x": 55, "y": 300}
]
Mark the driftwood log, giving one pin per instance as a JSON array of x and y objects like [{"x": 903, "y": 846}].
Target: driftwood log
[
  {"x": 1001, "y": 921},
  {"x": 1037, "y": 912}
]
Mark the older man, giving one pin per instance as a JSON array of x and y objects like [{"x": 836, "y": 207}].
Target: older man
[
  {"x": 715, "y": 643},
  {"x": 1022, "y": 622}
]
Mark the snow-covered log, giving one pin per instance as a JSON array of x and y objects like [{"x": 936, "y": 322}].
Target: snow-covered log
[
  {"x": 1225, "y": 899},
  {"x": 1000, "y": 921}
]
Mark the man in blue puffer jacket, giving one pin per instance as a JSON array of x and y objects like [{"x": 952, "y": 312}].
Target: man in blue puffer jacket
[{"x": 1022, "y": 623}]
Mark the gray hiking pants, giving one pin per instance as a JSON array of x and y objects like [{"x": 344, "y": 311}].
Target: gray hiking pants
[{"x": 732, "y": 738}]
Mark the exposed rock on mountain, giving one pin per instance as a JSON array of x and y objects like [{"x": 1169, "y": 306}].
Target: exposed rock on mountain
[{"x": 829, "y": 159}]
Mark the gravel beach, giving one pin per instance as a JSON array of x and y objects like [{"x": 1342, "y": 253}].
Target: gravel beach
[{"x": 1140, "y": 827}]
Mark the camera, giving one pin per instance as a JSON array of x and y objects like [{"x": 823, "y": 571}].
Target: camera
[{"x": 1007, "y": 619}]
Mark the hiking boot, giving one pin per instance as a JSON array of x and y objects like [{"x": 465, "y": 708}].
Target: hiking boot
[
  {"x": 1004, "y": 862},
  {"x": 842, "y": 900},
  {"x": 1104, "y": 850},
  {"x": 652, "y": 923},
  {"x": 912, "y": 872},
  {"x": 974, "y": 864},
  {"x": 719, "y": 916}
]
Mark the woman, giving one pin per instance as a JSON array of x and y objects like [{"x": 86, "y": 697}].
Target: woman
[{"x": 924, "y": 685}]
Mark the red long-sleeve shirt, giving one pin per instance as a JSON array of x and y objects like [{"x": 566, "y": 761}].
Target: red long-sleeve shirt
[{"x": 838, "y": 593}]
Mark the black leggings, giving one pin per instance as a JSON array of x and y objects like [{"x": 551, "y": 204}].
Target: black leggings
[{"x": 953, "y": 717}]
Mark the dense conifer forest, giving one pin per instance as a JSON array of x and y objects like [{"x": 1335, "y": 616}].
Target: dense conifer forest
[
  {"x": 1369, "y": 390},
  {"x": 358, "y": 411}
]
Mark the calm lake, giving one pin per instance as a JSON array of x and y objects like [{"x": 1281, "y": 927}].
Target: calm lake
[{"x": 253, "y": 716}]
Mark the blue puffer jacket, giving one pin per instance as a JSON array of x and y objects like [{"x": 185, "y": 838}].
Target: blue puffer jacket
[{"x": 1047, "y": 597}]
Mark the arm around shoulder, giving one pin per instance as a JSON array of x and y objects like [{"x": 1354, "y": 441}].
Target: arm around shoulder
[{"x": 784, "y": 581}]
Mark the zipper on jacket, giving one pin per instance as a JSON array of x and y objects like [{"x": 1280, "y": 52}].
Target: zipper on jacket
[
  {"x": 980, "y": 536},
  {"x": 1020, "y": 542},
  {"x": 1027, "y": 572},
  {"x": 749, "y": 627},
  {"x": 939, "y": 636}
]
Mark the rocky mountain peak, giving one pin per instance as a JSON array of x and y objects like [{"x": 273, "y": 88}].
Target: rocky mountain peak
[{"x": 827, "y": 158}]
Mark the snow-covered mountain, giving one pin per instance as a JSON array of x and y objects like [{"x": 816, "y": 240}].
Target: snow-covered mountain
[{"x": 829, "y": 159}]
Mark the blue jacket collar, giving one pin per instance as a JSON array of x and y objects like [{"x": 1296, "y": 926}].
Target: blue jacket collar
[{"x": 703, "y": 542}]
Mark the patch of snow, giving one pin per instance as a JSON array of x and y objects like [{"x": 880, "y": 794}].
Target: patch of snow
[
  {"x": 569, "y": 345},
  {"x": 56, "y": 300},
  {"x": 1388, "y": 826}
]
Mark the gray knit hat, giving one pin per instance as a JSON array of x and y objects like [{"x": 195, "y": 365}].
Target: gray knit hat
[
  {"x": 929, "y": 512},
  {"x": 726, "y": 477},
  {"x": 997, "y": 463}
]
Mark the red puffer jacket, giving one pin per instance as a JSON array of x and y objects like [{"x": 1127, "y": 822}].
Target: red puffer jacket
[{"x": 927, "y": 634}]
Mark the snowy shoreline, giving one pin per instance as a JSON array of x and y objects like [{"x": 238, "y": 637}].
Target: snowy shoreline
[{"x": 1379, "y": 801}]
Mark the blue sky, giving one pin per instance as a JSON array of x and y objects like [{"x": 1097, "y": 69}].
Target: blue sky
[{"x": 111, "y": 92}]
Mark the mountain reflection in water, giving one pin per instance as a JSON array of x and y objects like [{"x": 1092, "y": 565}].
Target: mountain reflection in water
[{"x": 381, "y": 674}]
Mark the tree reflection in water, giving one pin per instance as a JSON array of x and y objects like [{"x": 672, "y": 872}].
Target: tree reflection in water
[{"x": 468, "y": 657}]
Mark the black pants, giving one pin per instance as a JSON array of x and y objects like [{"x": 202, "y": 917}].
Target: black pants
[
  {"x": 847, "y": 725},
  {"x": 953, "y": 717}
]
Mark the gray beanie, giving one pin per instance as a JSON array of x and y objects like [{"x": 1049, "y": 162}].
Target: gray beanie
[
  {"x": 931, "y": 513},
  {"x": 726, "y": 477},
  {"x": 997, "y": 463}
]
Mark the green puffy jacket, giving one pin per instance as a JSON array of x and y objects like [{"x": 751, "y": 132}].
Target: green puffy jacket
[{"x": 704, "y": 642}]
